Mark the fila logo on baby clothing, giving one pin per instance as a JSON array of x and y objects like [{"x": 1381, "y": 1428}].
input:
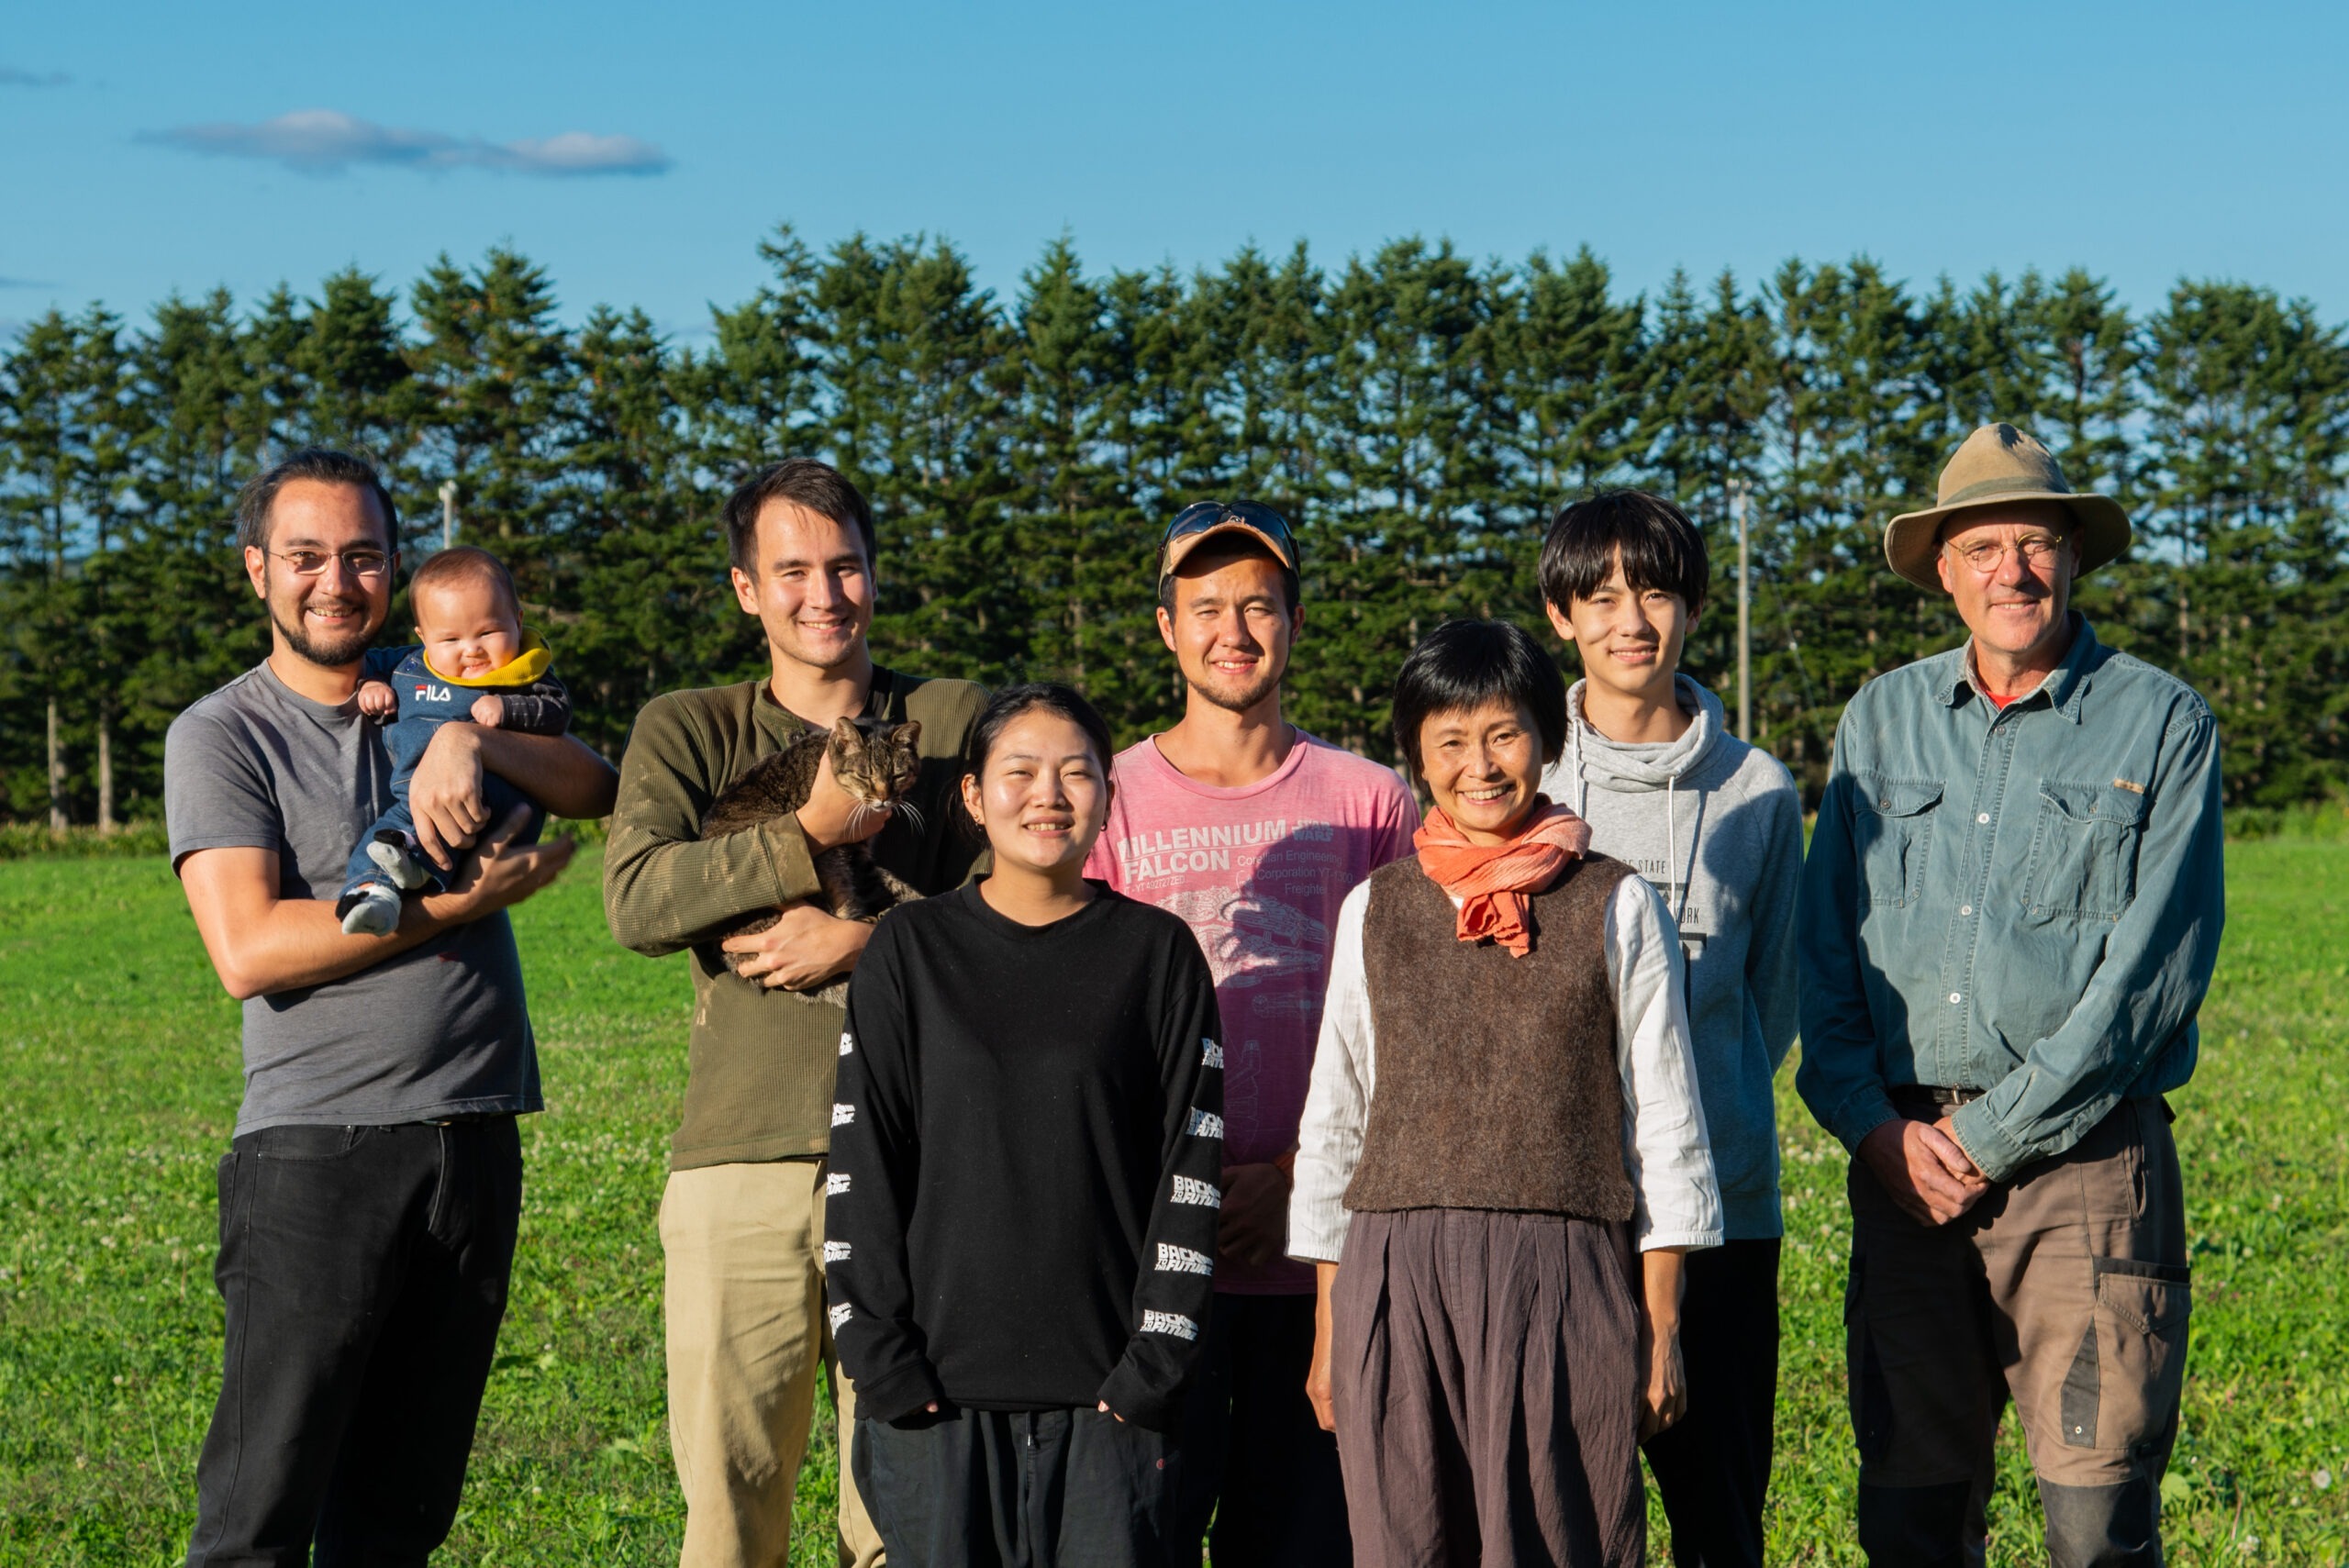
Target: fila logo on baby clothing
[
  {"x": 1201, "y": 1124},
  {"x": 836, "y": 1252},
  {"x": 839, "y": 1315},
  {"x": 836, "y": 1183},
  {"x": 848, "y": 1043},
  {"x": 1173, "y": 1259},
  {"x": 1210, "y": 1053},
  {"x": 426, "y": 692},
  {"x": 1173, "y": 1323},
  {"x": 844, "y": 1115},
  {"x": 1207, "y": 1194}
]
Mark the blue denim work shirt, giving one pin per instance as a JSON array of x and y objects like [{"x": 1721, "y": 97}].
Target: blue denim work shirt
[{"x": 2024, "y": 901}]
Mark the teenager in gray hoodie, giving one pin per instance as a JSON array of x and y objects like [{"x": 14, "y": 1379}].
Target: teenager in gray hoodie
[{"x": 1716, "y": 825}]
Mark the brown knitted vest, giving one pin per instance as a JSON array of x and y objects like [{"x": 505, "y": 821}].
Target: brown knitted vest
[{"x": 1497, "y": 1085}]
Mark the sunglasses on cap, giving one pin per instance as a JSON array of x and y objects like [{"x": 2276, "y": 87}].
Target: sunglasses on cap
[{"x": 1192, "y": 525}]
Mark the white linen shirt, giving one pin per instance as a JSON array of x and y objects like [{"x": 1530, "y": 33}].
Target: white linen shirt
[{"x": 1676, "y": 1200}]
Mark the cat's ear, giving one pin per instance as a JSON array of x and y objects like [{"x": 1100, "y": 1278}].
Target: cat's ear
[
  {"x": 907, "y": 734},
  {"x": 844, "y": 731}
]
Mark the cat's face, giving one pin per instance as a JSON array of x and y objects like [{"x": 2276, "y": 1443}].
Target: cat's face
[{"x": 875, "y": 763}]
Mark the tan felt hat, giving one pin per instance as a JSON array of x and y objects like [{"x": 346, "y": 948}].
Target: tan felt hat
[{"x": 1998, "y": 465}]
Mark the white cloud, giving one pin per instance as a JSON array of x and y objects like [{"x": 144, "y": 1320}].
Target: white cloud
[
  {"x": 18, "y": 76},
  {"x": 326, "y": 141},
  {"x": 579, "y": 153}
]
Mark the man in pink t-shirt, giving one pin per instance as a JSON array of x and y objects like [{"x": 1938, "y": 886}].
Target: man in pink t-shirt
[{"x": 1254, "y": 833}]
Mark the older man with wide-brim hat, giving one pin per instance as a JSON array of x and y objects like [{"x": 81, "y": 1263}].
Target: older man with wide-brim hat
[{"x": 2010, "y": 913}]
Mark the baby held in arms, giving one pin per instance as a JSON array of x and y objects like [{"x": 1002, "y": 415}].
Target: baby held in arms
[{"x": 473, "y": 662}]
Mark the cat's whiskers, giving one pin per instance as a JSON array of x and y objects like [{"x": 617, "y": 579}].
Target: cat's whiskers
[{"x": 911, "y": 813}]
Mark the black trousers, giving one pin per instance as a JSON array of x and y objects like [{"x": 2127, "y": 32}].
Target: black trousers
[
  {"x": 1016, "y": 1489},
  {"x": 1712, "y": 1467},
  {"x": 364, "y": 1273},
  {"x": 1254, "y": 1457}
]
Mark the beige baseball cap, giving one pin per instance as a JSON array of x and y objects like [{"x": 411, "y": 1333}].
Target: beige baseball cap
[{"x": 1203, "y": 520}]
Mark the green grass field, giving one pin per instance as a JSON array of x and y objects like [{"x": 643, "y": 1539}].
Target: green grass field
[{"x": 118, "y": 1077}]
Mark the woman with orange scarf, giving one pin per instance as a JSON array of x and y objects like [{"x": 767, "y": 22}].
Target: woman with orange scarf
[{"x": 1503, "y": 1113}]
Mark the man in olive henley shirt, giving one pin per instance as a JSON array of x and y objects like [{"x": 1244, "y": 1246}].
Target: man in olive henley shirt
[{"x": 743, "y": 1216}]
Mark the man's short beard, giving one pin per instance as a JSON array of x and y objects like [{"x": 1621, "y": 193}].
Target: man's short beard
[
  {"x": 1263, "y": 687},
  {"x": 338, "y": 654}
]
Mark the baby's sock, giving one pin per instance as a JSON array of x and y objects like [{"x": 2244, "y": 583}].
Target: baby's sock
[
  {"x": 391, "y": 854},
  {"x": 371, "y": 909}
]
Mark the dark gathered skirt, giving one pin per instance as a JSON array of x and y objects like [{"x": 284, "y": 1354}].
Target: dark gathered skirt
[{"x": 1486, "y": 1379}]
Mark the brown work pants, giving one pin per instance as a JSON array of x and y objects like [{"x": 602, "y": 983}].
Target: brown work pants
[
  {"x": 2063, "y": 1290},
  {"x": 743, "y": 1296}
]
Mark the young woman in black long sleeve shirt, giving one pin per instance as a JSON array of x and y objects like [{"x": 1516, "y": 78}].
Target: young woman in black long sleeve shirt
[{"x": 1021, "y": 1218}]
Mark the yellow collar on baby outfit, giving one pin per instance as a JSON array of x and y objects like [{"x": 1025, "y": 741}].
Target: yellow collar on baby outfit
[{"x": 535, "y": 660}]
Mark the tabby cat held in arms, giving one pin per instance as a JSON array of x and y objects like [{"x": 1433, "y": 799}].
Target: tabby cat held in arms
[{"x": 874, "y": 760}]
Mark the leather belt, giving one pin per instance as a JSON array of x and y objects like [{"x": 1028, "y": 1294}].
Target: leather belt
[{"x": 1928, "y": 1102}]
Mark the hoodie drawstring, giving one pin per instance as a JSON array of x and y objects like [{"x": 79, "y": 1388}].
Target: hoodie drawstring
[
  {"x": 1582, "y": 789},
  {"x": 1672, "y": 850},
  {"x": 1673, "y": 873}
]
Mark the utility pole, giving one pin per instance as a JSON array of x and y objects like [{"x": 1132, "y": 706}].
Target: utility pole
[
  {"x": 1741, "y": 497},
  {"x": 447, "y": 513}
]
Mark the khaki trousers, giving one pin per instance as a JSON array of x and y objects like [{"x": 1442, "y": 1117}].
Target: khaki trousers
[
  {"x": 2065, "y": 1291},
  {"x": 743, "y": 1297}
]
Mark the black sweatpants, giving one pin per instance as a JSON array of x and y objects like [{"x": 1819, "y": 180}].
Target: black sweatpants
[
  {"x": 364, "y": 1271},
  {"x": 1712, "y": 1466},
  {"x": 1254, "y": 1456},
  {"x": 1016, "y": 1489}
]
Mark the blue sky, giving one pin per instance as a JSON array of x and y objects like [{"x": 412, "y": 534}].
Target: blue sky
[{"x": 639, "y": 152}]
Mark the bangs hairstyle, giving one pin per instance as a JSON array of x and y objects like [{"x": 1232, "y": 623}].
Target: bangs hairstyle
[
  {"x": 1662, "y": 549},
  {"x": 465, "y": 563},
  {"x": 803, "y": 482},
  {"x": 1464, "y": 664},
  {"x": 326, "y": 466}
]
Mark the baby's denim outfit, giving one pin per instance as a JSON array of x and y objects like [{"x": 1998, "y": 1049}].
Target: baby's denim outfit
[{"x": 427, "y": 701}]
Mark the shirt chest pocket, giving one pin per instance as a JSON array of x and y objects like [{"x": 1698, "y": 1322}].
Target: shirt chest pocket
[
  {"x": 2084, "y": 850},
  {"x": 1892, "y": 828}
]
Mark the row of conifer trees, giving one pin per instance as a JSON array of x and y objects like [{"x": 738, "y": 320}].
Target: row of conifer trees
[{"x": 1417, "y": 414}]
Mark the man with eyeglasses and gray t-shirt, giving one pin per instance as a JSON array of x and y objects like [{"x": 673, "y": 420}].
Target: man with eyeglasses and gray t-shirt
[{"x": 371, "y": 1193}]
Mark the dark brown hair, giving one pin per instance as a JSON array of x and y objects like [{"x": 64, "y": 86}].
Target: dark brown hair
[
  {"x": 327, "y": 466},
  {"x": 1052, "y": 697},
  {"x": 1662, "y": 549},
  {"x": 1464, "y": 664},
  {"x": 803, "y": 482},
  {"x": 465, "y": 563}
]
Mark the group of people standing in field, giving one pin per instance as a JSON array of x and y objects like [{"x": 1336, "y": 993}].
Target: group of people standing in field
[{"x": 1227, "y": 1152}]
